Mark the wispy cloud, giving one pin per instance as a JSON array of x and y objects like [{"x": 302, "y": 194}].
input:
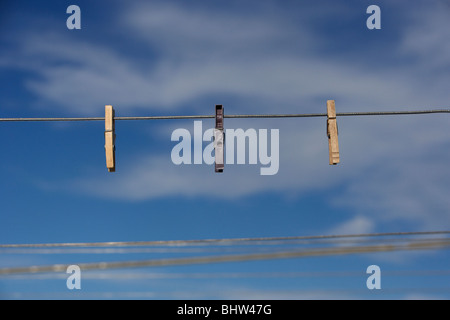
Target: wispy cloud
[
  {"x": 357, "y": 225},
  {"x": 262, "y": 60},
  {"x": 392, "y": 169}
]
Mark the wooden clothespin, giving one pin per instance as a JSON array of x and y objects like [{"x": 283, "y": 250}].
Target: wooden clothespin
[
  {"x": 219, "y": 139},
  {"x": 332, "y": 133},
  {"x": 110, "y": 137}
]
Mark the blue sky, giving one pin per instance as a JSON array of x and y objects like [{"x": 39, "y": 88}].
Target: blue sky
[{"x": 182, "y": 58}]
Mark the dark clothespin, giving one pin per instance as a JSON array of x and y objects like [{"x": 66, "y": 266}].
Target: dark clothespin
[
  {"x": 219, "y": 139},
  {"x": 110, "y": 137},
  {"x": 332, "y": 133}
]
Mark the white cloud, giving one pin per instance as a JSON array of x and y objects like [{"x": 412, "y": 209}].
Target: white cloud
[
  {"x": 199, "y": 53},
  {"x": 423, "y": 296},
  {"x": 357, "y": 225},
  {"x": 392, "y": 168},
  {"x": 428, "y": 37}
]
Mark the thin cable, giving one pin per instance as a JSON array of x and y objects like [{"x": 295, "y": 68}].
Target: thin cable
[
  {"x": 236, "y": 116},
  {"x": 49, "y": 119},
  {"x": 114, "y": 275},
  {"x": 392, "y": 113},
  {"x": 260, "y": 246},
  {"x": 217, "y": 241},
  {"x": 177, "y": 294},
  {"x": 231, "y": 258}
]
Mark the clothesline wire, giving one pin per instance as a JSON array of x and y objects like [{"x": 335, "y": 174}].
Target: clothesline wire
[
  {"x": 259, "y": 246},
  {"x": 236, "y": 116},
  {"x": 114, "y": 275},
  {"x": 332, "y": 251},
  {"x": 219, "y": 241}
]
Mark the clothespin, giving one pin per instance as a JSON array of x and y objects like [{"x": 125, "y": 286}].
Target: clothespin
[
  {"x": 219, "y": 139},
  {"x": 332, "y": 133},
  {"x": 110, "y": 137}
]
